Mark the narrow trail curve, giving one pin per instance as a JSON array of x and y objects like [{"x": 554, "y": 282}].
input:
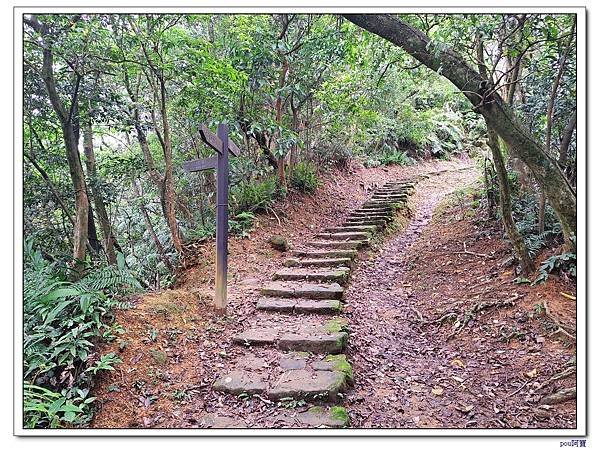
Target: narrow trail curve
[{"x": 393, "y": 362}]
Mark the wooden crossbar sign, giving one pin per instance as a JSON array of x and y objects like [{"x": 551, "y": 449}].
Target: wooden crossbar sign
[{"x": 223, "y": 146}]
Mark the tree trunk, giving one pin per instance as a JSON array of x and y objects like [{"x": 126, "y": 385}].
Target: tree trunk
[
  {"x": 150, "y": 227},
  {"x": 549, "y": 121},
  {"x": 169, "y": 184},
  {"x": 488, "y": 103},
  {"x": 90, "y": 161},
  {"x": 566, "y": 140},
  {"x": 278, "y": 117},
  {"x": 152, "y": 171},
  {"x": 295, "y": 128},
  {"x": 80, "y": 229},
  {"x": 505, "y": 204},
  {"x": 51, "y": 186}
]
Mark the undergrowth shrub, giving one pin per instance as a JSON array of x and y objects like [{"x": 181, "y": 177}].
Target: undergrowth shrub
[
  {"x": 304, "y": 177},
  {"x": 565, "y": 262},
  {"x": 242, "y": 223},
  {"x": 254, "y": 196},
  {"x": 396, "y": 157},
  {"x": 63, "y": 321}
]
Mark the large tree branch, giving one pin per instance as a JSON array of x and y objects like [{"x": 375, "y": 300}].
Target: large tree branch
[{"x": 502, "y": 119}]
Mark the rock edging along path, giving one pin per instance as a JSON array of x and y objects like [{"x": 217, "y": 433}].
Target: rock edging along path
[{"x": 297, "y": 315}]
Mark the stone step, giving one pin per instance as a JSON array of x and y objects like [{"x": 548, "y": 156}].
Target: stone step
[
  {"x": 383, "y": 202},
  {"x": 371, "y": 216},
  {"x": 298, "y": 376},
  {"x": 375, "y": 208},
  {"x": 290, "y": 289},
  {"x": 342, "y": 245},
  {"x": 371, "y": 212},
  {"x": 379, "y": 222},
  {"x": 299, "y": 306},
  {"x": 317, "y": 262},
  {"x": 314, "y": 254},
  {"x": 390, "y": 197},
  {"x": 399, "y": 184},
  {"x": 372, "y": 220},
  {"x": 321, "y": 417},
  {"x": 348, "y": 235},
  {"x": 315, "y": 339},
  {"x": 349, "y": 228},
  {"x": 319, "y": 384},
  {"x": 393, "y": 190},
  {"x": 339, "y": 275}
]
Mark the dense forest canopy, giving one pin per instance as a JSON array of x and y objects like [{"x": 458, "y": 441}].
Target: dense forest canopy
[{"x": 113, "y": 105}]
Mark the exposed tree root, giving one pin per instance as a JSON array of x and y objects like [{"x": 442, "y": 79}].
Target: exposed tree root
[
  {"x": 562, "y": 328},
  {"x": 462, "y": 318},
  {"x": 564, "y": 395}
]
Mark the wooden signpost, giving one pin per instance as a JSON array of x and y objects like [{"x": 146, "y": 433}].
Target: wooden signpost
[{"x": 223, "y": 146}]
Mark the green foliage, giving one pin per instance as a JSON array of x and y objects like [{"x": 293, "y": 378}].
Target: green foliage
[
  {"x": 525, "y": 208},
  {"x": 305, "y": 177},
  {"x": 253, "y": 196},
  {"x": 565, "y": 262},
  {"x": 242, "y": 223},
  {"x": 62, "y": 322},
  {"x": 396, "y": 157}
]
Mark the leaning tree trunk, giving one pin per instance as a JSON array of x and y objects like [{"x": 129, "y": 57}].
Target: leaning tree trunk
[
  {"x": 488, "y": 103},
  {"x": 90, "y": 161},
  {"x": 80, "y": 229},
  {"x": 169, "y": 184},
  {"x": 505, "y": 204}
]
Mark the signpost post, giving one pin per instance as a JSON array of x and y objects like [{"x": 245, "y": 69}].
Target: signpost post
[{"x": 223, "y": 146}]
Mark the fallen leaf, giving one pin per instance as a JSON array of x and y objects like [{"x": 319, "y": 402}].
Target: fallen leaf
[
  {"x": 570, "y": 297},
  {"x": 437, "y": 390},
  {"x": 464, "y": 408},
  {"x": 458, "y": 363},
  {"x": 532, "y": 373},
  {"x": 458, "y": 379}
]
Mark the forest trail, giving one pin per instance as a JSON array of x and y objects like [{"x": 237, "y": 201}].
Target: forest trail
[{"x": 285, "y": 356}]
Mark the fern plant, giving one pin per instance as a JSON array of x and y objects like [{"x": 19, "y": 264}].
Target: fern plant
[{"x": 63, "y": 320}]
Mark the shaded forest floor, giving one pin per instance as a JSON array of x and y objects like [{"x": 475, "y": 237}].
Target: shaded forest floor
[{"x": 489, "y": 371}]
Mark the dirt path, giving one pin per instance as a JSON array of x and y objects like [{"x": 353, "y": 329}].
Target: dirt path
[
  {"x": 174, "y": 348},
  {"x": 411, "y": 375}
]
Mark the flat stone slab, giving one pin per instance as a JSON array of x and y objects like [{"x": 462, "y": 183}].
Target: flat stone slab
[
  {"x": 314, "y": 254},
  {"x": 259, "y": 336},
  {"x": 321, "y": 417},
  {"x": 374, "y": 209},
  {"x": 352, "y": 228},
  {"x": 302, "y": 383},
  {"x": 317, "y": 262},
  {"x": 292, "y": 305},
  {"x": 318, "y": 306},
  {"x": 210, "y": 420},
  {"x": 292, "y": 363},
  {"x": 370, "y": 217},
  {"x": 347, "y": 235},
  {"x": 339, "y": 275},
  {"x": 314, "y": 342},
  {"x": 372, "y": 212},
  {"x": 308, "y": 339},
  {"x": 378, "y": 222},
  {"x": 281, "y": 305},
  {"x": 240, "y": 381},
  {"x": 289, "y": 289},
  {"x": 343, "y": 245},
  {"x": 251, "y": 362}
]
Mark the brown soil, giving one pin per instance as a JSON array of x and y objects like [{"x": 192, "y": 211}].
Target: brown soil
[
  {"x": 491, "y": 374},
  {"x": 174, "y": 346}
]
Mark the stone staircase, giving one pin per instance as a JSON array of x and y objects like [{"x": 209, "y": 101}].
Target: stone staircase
[{"x": 298, "y": 318}]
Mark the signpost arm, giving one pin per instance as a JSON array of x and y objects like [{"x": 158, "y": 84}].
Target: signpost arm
[{"x": 222, "y": 222}]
